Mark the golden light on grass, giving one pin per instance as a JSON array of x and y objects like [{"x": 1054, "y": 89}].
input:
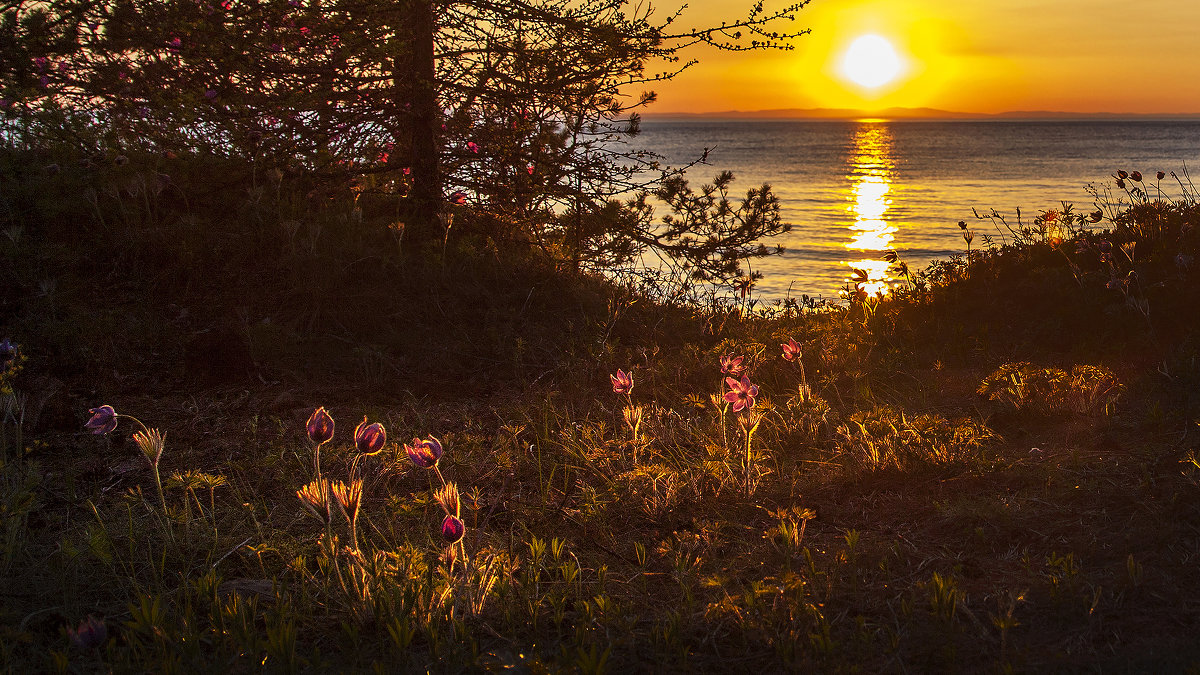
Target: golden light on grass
[{"x": 871, "y": 61}]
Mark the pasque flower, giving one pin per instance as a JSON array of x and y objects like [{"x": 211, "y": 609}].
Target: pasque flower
[
  {"x": 319, "y": 427},
  {"x": 90, "y": 634},
  {"x": 622, "y": 382},
  {"x": 453, "y": 529},
  {"x": 103, "y": 421},
  {"x": 424, "y": 454},
  {"x": 741, "y": 393},
  {"x": 369, "y": 438},
  {"x": 791, "y": 349},
  {"x": 732, "y": 365}
]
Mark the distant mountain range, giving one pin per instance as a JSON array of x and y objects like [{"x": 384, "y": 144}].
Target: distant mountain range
[{"x": 910, "y": 113}]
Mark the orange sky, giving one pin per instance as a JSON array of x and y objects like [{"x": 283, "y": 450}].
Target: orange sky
[{"x": 969, "y": 56}]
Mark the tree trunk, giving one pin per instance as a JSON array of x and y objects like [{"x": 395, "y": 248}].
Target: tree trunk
[{"x": 413, "y": 81}]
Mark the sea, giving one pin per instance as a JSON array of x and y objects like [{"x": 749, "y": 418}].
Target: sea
[{"x": 853, "y": 190}]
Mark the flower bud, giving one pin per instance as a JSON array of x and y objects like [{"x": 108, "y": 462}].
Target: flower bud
[{"x": 320, "y": 427}]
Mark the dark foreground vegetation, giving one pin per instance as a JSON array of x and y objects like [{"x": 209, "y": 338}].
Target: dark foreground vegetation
[{"x": 993, "y": 469}]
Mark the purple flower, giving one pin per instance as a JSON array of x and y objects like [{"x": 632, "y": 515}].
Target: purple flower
[
  {"x": 210, "y": 94},
  {"x": 732, "y": 365},
  {"x": 622, "y": 382},
  {"x": 40, "y": 62},
  {"x": 453, "y": 529},
  {"x": 174, "y": 44},
  {"x": 91, "y": 633},
  {"x": 791, "y": 350},
  {"x": 369, "y": 438},
  {"x": 8, "y": 352},
  {"x": 424, "y": 454},
  {"x": 103, "y": 421},
  {"x": 320, "y": 427},
  {"x": 741, "y": 393}
]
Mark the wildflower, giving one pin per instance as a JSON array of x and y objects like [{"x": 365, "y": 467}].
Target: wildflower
[
  {"x": 741, "y": 393},
  {"x": 90, "y": 634},
  {"x": 1121, "y": 183},
  {"x": 447, "y": 497},
  {"x": 529, "y": 169},
  {"x": 210, "y": 94},
  {"x": 791, "y": 350},
  {"x": 407, "y": 170},
  {"x": 473, "y": 147},
  {"x": 424, "y": 454},
  {"x": 320, "y": 427},
  {"x": 1096, "y": 216},
  {"x": 1121, "y": 175},
  {"x": 369, "y": 438},
  {"x": 103, "y": 421},
  {"x": 459, "y": 197},
  {"x": 453, "y": 529},
  {"x": 349, "y": 497},
  {"x": 732, "y": 365},
  {"x": 1136, "y": 176},
  {"x": 1161, "y": 175},
  {"x": 315, "y": 498},
  {"x": 174, "y": 44},
  {"x": 962, "y": 224},
  {"x": 305, "y": 30},
  {"x": 151, "y": 443},
  {"x": 8, "y": 353},
  {"x": 622, "y": 382}
]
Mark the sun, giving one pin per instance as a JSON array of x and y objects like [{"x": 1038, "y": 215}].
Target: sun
[{"x": 871, "y": 61}]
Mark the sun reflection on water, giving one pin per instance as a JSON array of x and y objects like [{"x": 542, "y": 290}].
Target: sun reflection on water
[{"x": 870, "y": 173}]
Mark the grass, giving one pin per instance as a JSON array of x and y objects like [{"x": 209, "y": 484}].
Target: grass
[{"x": 993, "y": 470}]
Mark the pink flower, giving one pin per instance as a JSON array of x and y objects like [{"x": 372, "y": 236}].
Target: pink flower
[
  {"x": 453, "y": 529},
  {"x": 473, "y": 147},
  {"x": 732, "y": 365},
  {"x": 407, "y": 170},
  {"x": 91, "y": 634},
  {"x": 622, "y": 382},
  {"x": 305, "y": 30},
  {"x": 424, "y": 454},
  {"x": 741, "y": 393},
  {"x": 104, "y": 420},
  {"x": 320, "y": 427},
  {"x": 369, "y": 438},
  {"x": 174, "y": 44},
  {"x": 791, "y": 350},
  {"x": 529, "y": 169}
]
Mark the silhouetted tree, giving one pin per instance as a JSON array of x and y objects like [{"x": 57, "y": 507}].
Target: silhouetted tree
[{"x": 512, "y": 114}]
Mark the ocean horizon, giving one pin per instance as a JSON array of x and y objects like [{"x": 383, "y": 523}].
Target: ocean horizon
[{"x": 855, "y": 189}]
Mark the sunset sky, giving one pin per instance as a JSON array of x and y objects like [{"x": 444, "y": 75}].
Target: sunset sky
[{"x": 971, "y": 56}]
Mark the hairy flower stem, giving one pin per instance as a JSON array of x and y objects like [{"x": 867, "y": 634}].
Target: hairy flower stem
[{"x": 749, "y": 442}]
